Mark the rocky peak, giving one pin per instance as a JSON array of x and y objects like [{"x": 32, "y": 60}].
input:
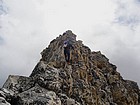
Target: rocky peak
[
  {"x": 89, "y": 79},
  {"x": 55, "y": 48}
]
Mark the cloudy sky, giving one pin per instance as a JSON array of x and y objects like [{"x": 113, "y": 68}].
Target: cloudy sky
[{"x": 109, "y": 26}]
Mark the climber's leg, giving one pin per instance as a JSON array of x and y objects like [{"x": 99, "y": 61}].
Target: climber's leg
[{"x": 68, "y": 55}]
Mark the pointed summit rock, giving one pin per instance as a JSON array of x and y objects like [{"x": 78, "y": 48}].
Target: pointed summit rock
[{"x": 89, "y": 79}]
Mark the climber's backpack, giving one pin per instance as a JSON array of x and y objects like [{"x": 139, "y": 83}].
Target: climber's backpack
[{"x": 66, "y": 44}]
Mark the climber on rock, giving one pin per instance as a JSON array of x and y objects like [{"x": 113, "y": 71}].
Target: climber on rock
[{"x": 67, "y": 47}]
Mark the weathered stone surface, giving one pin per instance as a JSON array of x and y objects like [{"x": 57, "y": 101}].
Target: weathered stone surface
[
  {"x": 18, "y": 84},
  {"x": 38, "y": 96},
  {"x": 5, "y": 96},
  {"x": 89, "y": 79}
]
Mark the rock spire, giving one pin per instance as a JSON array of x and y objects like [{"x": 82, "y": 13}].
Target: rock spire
[{"x": 90, "y": 79}]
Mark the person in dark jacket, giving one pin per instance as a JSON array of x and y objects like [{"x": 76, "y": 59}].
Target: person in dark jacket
[{"x": 67, "y": 48}]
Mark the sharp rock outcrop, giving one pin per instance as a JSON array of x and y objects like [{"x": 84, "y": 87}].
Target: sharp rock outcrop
[{"x": 89, "y": 79}]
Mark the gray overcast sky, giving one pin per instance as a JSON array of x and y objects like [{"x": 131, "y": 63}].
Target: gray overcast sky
[{"x": 109, "y": 26}]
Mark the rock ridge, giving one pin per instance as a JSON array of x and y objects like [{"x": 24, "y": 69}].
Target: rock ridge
[{"x": 90, "y": 79}]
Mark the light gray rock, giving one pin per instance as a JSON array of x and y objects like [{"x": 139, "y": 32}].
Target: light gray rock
[
  {"x": 18, "y": 84},
  {"x": 5, "y": 96},
  {"x": 38, "y": 96},
  {"x": 3, "y": 101}
]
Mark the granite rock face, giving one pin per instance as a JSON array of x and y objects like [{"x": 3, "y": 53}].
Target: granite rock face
[{"x": 89, "y": 79}]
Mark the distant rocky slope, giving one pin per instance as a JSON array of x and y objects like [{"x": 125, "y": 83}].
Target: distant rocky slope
[{"x": 90, "y": 79}]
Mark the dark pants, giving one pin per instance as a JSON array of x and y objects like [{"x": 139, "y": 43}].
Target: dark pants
[{"x": 67, "y": 55}]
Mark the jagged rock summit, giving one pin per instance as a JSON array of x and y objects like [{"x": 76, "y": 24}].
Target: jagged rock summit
[{"x": 90, "y": 79}]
